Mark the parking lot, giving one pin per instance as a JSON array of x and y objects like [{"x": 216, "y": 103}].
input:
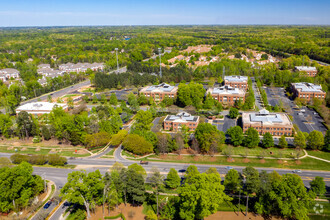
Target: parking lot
[
  {"x": 306, "y": 119},
  {"x": 225, "y": 124}
]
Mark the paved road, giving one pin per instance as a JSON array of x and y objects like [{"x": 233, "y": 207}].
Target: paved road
[
  {"x": 59, "y": 175},
  {"x": 256, "y": 94}
]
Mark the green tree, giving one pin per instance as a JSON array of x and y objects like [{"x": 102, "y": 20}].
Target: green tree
[
  {"x": 173, "y": 179},
  {"x": 138, "y": 169},
  {"x": 299, "y": 140},
  {"x": 252, "y": 180},
  {"x": 315, "y": 140},
  {"x": 113, "y": 99},
  {"x": 45, "y": 133},
  {"x": 233, "y": 181},
  {"x": 318, "y": 186},
  {"x": 84, "y": 189},
  {"x": 233, "y": 112},
  {"x": 157, "y": 183},
  {"x": 251, "y": 139},
  {"x": 206, "y": 134},
  {"x": 275, "y": 200},
  {"x": 133, "y": 102},
  {"x": 191, "y": 172},
  {"x": 201, "y": 196},
  {"x": 137, "y": 144},
  {"x": 282, "y": 142},
  {"x": 135, "y": 187},
  {"x": 267, "y": 140},
  {"x": 327, "y": 141},
  {"x": 24, "y": 124},
  {"x": 18, "y": 187},
  {"x": 236, "y": 135}
]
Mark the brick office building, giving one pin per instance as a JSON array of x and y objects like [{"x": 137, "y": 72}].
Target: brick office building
[
  {"x": 277, "y": 124},
  {"x": 175, "y": 122},
  {"x": 236, "y": 82},
  {"x": 307, "y": 91},
  {"x": 227, "y": 94},
  {"x": 310, "y": 70},
  {"x": 159, "y": 92}
]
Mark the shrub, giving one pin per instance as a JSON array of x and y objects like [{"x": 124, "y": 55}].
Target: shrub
[
  {"x": 36, "y": 139},
  {"x": 118, "y": 138},
  {"x": 19, "y": 158},
  {"x": 56, "y": 160},
  {"x": 97, "y": 139},
  {"x": 45, "y": 133},
  {"x": 137, "y": 144},
  {"x": 38, "y": 159}
]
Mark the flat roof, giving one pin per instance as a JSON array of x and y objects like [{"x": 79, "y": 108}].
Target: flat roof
[
  {"x": 226, "y": 90},
  {"x": 306, "y": 68},
  {"x": 307, "y": 87},
  {"x": 163, "y": 87},
  {"x": 41, "y": 107},
  {"x": 236, "y": 78},
  {"x": 182, "y": 117},
  {"x": 264, "y": 117}
]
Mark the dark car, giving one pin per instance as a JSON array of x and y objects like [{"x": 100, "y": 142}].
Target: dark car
[{"x": 46, "y": 206}]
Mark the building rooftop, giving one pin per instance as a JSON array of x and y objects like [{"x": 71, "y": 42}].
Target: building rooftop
[
  {"x": 306, "y": 68},
  {"x": 182, "y": 117},
  {"x": 236, "y": 78},
  {"x": 163, "y": 87},
  {"x": 9, "y": 70},
  {"x": 307, "y": 87},
  {"x": 40, "y": 66},
  {"x": 39, "y": 107},
  {"x": 266, "y": 118},
  {"x": 226, "y": 90}
]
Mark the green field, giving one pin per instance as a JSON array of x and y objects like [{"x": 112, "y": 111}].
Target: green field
[
  {"x": 306, "y": 163},
  {"x": 320, "y": 154},
  {"x": 270, "y": 152}
]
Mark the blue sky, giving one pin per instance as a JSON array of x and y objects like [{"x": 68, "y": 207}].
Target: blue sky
[{"x": 164, "y": 12}]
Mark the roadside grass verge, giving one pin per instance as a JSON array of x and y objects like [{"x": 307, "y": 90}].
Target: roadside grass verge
[
  {"x": 269, "y": 152},
  {"x": 320, "y": 154},
  {"x": 43, "y": 151},
  {"x": 109, "y": 154},
  {"x": 306, "y": 163}
]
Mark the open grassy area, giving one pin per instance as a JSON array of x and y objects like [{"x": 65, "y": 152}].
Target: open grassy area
[
  {"x": 43, "y": 151},
  {"x": 21, "y": 150},
  {"x": 270, "y": 152},
  {"x": 320, "y": 154},
  {"x": 306, "y": 163}
]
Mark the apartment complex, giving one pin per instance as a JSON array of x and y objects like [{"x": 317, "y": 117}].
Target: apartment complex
[
  {"x": 175, "y": 122},
  {"x": 237, "y": 82},
  {"x": 8, "y": 73},
  {"x": 308, "y": 91},
  {"x": 39, "y": 108},
  {"x": 159, "y": 92},
  {"x": 227, "y": 94},
  {"x": 310, "y": 70},
  {"x": 81, "y": 67},
  {"x": 277, "y": 124}
]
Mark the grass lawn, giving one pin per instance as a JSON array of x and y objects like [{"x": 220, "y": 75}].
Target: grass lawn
[
  {"x": 320, "y": 154},
  {"x": 284, "y": 153},
  {"x": 323, "y": 207},
  {"x": 306, "y": 163},
  {"x": 95, "y": 150},
  {"x": 109, "y": 154},
  {"x": 72, "y": 154},
  {"x": 29, "y": 150}
]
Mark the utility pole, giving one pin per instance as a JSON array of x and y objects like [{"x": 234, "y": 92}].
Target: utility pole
[
  {"x": 116, "y": 49},
  {"x": 160, "y": 61},
  {"x": 239, "y": 202}
]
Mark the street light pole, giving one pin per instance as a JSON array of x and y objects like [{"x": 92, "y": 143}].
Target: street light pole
[
  {"x": 116, "y": 49},
  {"x": 160, "y": 61}
]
